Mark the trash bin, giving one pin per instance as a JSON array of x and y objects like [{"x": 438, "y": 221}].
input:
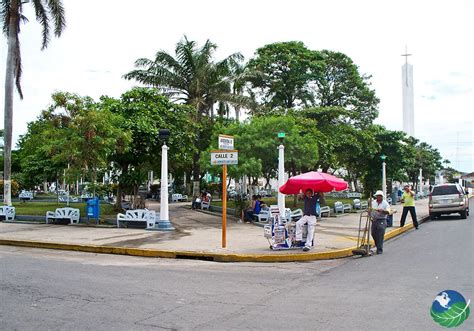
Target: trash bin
[
  {"x": 394, "y": 196},
  {"x": 93, "y": 208}
]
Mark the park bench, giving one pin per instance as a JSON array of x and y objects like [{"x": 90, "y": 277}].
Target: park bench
[
  {"x": 296, "y": 214},
  {"x": 7, "y": 213},
  {"x": 66, "y": 213},
  {"x": 177, "y": 197},
  {"x": 137, "y": 216},
  {"x": 263, "y": 216},
  {"x": 86, "y": 196},
  {"x": 206, "y": 204},
  {"x": 67, "y": 198},
  {"x": 356, "y": 204},
  {"x": 325, "y": 210},
  {"x": 26, "y": 195},
  {"x": 364, "y": 205},
  {"x": 341, "y": 208},
  {"x": 347, "y": 207}
]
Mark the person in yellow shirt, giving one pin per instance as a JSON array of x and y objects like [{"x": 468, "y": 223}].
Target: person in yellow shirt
[{"x": 408, "y": 200}]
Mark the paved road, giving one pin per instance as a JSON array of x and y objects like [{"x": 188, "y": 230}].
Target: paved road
[{"x": 44, "y": 289}]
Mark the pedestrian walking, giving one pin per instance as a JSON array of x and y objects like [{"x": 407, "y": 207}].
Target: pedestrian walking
[
  {"x": 408, "y": 200},
  {"x": 379, "y": 210}
]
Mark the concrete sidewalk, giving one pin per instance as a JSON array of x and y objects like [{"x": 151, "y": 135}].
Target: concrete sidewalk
[{"x": 197, "y": 235}]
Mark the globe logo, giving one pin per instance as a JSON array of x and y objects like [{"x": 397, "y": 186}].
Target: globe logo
[{"x": 450, "y": 309}]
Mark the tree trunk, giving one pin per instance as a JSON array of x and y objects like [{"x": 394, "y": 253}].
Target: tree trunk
[
  {"x": 196, "y": 174},
  {"x": 118, "y": 200},
  {"x": 12, "y": 57}
]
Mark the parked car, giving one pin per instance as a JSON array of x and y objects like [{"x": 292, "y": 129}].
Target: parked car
[{"x": 448, "y": 199}]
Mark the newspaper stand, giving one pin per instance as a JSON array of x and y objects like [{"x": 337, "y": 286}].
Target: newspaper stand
[{"x": 281, "y": 234}]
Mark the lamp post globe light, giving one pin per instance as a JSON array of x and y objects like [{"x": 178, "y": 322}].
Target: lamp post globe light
[
  {"x": 281, "y": 174},
  {"x": 384, "y": 176},
  {"x": 164, "y": 223}
]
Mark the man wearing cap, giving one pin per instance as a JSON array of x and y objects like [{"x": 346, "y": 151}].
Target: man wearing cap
[
  {"x": 309, "y": 216},
  {"x": 378, "y": 212},
  {"x": 408, "y": 200}
]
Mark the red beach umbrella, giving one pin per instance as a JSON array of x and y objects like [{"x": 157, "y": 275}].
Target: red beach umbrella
[{"x": 317, "y": 181}]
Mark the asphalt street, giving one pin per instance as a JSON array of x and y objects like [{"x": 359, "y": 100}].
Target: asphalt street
[{"x": 53, "y": 290}]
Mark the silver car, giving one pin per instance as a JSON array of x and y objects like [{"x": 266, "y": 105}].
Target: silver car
[{"x": 448, "y": 199}]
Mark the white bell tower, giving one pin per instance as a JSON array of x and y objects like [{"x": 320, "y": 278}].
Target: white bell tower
[{"x": 407, "y": 88}]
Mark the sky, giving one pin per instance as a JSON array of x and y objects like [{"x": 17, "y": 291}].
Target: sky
[{"x": 103, "y": 39}]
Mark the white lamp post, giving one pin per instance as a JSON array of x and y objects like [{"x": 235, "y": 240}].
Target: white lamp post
[
  {"x": 384, "y": 176},
  {"x": 420, "y": 188},
  {"x": 281, "y": 174},
  {"x": 164, "y": 222}
]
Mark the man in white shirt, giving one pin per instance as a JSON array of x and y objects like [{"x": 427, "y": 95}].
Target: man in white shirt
[{"x": 378, "y": 212}]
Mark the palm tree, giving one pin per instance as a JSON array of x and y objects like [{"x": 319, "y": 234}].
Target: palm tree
[
  {"x": 48, "y": 12},
  {"x": 193, "y": 78}
]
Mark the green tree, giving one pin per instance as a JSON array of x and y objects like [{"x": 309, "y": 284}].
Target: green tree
[
  {"x": 392, "y": 144},
  {"x": 192, "y": 77},
  {"x": 144, "y": 112},
  {"x": 74, "y": 134},
  {"x": 257, "y": 143},
  {"x": 282, "y": 74},
  {"x": 50, "y": 12},
  {"x": 341, "y": 85},
  {"x": 424, "y": 157},
  {"x": 35, "y": 158}
]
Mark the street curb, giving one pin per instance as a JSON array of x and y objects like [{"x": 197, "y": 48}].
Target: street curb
[{"x": 201, "y": 255}]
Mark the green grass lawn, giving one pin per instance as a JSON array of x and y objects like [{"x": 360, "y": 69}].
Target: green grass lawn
[
  {"x": 289, "y": 202},
  {"x": 40, "y": 208}
]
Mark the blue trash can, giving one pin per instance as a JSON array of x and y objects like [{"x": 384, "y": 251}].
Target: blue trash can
[
  {"x": 93, "y": 208},
  {"x": 394, "y": 197}
]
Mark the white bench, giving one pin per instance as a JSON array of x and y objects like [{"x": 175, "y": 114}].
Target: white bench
[
  {"x": 177, "y": 197},
  {"x": 364, "y": 205},
  {"x": 85, "y": 196},
  {"x": 7, "y": 213},
  {"x": 206, "y": 204},
  {"x": 66, "y": 198},
  {"x": 325, "y": 210},
  {"x": 341, "y": 208},
  {"x": 356, "y": 204},
  {"x": 138, "y": 215},
  {"x": 263, "y": 216},
  {"x": 296, "y": 214},
  {"x": 72, "y": 214},
  {"x": 347, "y": 207},
  {"x": 26, "y": 195}
]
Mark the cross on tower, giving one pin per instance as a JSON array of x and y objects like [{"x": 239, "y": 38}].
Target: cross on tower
[{"x": 406, "y": 55}]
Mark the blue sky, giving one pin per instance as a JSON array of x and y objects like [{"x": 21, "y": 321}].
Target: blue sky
[{"x": 104, "y": 38}]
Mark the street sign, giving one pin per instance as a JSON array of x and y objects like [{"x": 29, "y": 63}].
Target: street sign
[
  {"x": 221, "y": 157},
  {"x": 226, "y": 142}
]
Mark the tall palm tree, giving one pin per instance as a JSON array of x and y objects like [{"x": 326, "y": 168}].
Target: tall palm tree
[
  {"x": 48, "y": 13},
  {"x": 192, "y": 77}
]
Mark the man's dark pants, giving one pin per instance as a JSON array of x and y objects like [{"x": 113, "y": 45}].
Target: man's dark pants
[
  {"x": 378, "y": 233},
  {"x": 413, "y": 216}
]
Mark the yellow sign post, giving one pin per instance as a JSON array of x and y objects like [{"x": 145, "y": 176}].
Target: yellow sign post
[
  {"x": 224, "y": 206},
  {"x": 224, "y": 156}
]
